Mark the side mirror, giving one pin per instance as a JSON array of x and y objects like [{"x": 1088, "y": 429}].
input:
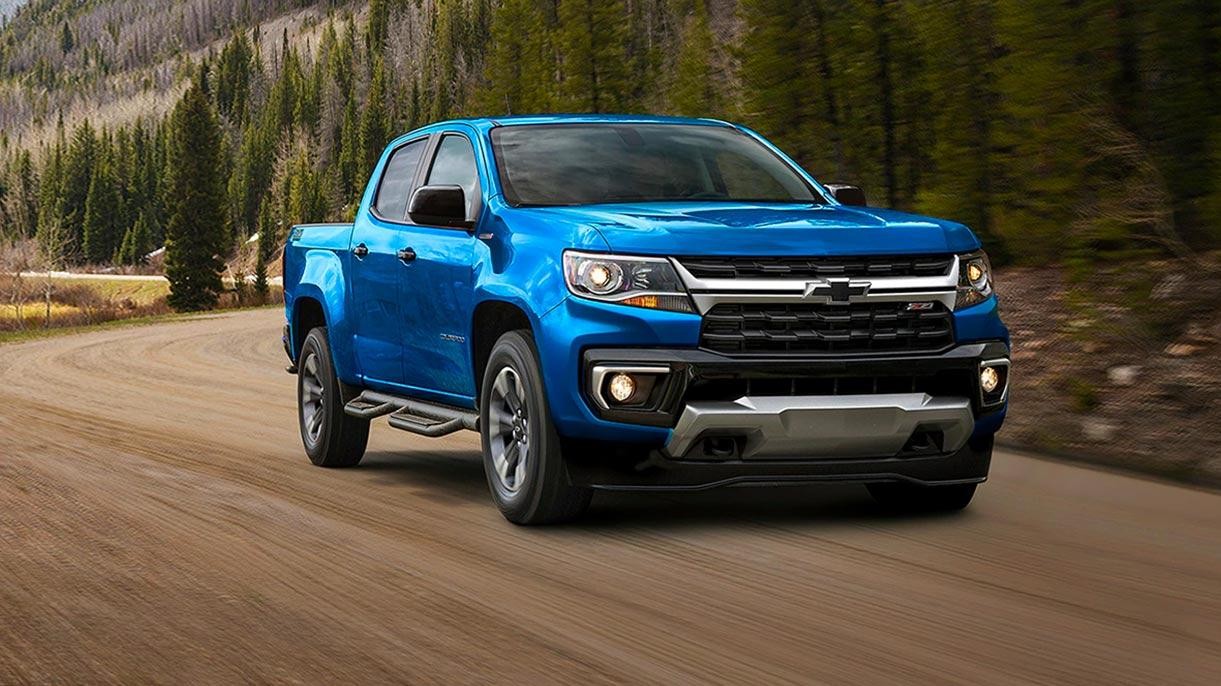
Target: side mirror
[
  {"x": 439, "y": 206},
  {"x": 847, "y": 195}
]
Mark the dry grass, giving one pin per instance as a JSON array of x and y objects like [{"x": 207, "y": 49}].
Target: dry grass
[
  {"x": 86, "y": 302},
  {"x": 80, "y": 302}
]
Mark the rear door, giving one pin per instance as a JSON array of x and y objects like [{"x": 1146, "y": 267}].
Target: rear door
[
  {"x": 376, "y": 271},
  {"x": 438, "y": 284}
]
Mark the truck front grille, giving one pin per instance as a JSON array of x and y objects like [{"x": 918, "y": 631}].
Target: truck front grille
[
  {"x": 817, "y": 267},
  {"x": 777, "y": 328}
]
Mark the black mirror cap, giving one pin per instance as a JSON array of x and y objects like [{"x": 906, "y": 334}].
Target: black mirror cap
[
  {"x": 439, "y": 206},
  {"x": 847, "y": 195}
]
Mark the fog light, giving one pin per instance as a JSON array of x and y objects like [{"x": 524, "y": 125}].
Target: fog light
[
  {"x": 989, "y": 379},
  {"x": 622, "y": 387}
]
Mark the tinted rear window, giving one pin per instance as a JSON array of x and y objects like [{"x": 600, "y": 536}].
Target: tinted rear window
[{"x": 391, "y": 200}]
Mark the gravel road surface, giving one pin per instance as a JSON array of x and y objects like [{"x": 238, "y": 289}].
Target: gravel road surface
[{"x": 159, "y": 523}]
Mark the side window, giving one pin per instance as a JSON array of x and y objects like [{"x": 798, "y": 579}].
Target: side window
[
  {"x": 391, "y": 201},
  {"x": 454, "y": 165}
]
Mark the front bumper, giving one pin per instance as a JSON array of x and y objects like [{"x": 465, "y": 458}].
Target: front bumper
[
  {"x": 693, "y": 377},
  {"x": 820, "y": 426},
  {"x": 733, "y": 421},
  {"x": 969, "y": 465}
]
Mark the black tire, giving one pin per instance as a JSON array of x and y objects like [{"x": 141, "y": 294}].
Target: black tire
[
  {"x": 902, "y": 497},
  {"x": 340, "y": 439},
  {"x": 538, "y": 491}
]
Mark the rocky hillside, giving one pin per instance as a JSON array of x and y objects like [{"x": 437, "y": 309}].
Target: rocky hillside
[{"x": 1119, "y": 368}]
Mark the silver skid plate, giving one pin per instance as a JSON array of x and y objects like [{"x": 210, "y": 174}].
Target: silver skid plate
[{"x": 819, "y": 427}]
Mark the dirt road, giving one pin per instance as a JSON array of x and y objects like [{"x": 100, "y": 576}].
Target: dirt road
[{"x": 159, "y": 522}]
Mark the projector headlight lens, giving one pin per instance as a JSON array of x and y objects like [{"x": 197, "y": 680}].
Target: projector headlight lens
[
  {"x": 974, "y": 279},
  {"x": 649, "y": 282}
]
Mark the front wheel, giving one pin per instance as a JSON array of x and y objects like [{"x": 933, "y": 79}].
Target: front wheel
[
  {"x": 522, "y": 457},
  {"x": 915, "y": 498}
]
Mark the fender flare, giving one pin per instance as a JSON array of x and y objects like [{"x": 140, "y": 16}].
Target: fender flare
[{"x": 323, "y": 280}]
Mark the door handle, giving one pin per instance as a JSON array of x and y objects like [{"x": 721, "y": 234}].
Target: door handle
[
  {"x": 406, "y": 254},
  {"x": 361, "y": 250}
]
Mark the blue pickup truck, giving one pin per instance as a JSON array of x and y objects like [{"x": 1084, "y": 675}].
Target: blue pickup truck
[{"x": 645, "y": 303}]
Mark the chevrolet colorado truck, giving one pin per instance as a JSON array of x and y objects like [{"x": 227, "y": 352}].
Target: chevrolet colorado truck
[{"x": 645, "y": 303}]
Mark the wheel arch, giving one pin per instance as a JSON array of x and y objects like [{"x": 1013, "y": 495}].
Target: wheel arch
[
  {"x": 308, "y": 314},
  {"x": 491, "y": 320}
]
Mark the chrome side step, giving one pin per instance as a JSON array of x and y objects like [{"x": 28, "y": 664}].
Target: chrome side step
[{"x": 417, "y": 416}]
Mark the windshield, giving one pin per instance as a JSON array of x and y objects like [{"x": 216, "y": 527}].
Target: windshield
[{"x": 586, "y": 164}]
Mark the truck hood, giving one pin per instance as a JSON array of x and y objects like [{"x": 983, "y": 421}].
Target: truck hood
[{"x": 764, "y": 230}]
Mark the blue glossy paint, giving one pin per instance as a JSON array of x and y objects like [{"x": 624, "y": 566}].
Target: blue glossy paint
[{"x": 408, "y": 327}]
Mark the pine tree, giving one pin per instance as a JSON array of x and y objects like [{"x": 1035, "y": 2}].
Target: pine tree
[
  {"x": 77, "y": 176},
  {"x": 66, "y": 40},
  {"x": 351, "y": 154},
  {"x": 593, "y": 57},
  {"x": 50, "y": 200},
  {"x": 102, "y": 231},
  {"x": 378, "y": 27},
  {"x": 780, "y": 82},
  {"x": 268, "y": 242},
  {"x": 306, "y": 200},
  {"x": 519, "y": 62},
  {"x": 233, "y": 78},
  {"x": 961, "y": 48},
  {"x": 374, "y": 124},
  {"x": 696, "y": 86},
  {"x": 195, "y": 235},
  {"x": 137, "y": 242},
  {"x": 23, "y": 204},
  {"x": 1048, "y": 87}
]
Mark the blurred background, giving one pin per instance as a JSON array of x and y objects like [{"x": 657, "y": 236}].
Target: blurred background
[{"x": 1081, "y": 139}]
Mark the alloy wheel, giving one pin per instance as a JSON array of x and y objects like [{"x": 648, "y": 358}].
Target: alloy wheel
[{"x": 509, "y": 430}]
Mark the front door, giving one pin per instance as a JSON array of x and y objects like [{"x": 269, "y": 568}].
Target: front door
[
  {"x": 376, "y": 271},
  {"x": 438, "y": 286}
]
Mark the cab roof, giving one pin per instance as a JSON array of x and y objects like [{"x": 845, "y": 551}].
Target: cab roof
[{"x": 487, "y": 123}]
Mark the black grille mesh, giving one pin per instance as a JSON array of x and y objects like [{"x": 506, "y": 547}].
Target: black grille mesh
[
  {"x": 811, "y": 267},
  {"x": 832, "y": 329}
]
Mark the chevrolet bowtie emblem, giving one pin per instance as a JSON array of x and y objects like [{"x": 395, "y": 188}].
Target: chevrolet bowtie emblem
[{"x": 838, "y": 291}]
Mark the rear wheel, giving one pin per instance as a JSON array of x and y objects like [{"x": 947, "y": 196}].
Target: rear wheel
[
  {"x": 915, "y": 498},
  {"x": 332, "y": 438},
  {"x": 522, "y": 457}
]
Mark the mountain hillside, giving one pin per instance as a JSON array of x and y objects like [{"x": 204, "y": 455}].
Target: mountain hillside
[
  {"x": 1029, "y": 120},
  {"x": 114, "y": 61},
  {"x": 8, "y": 7}
]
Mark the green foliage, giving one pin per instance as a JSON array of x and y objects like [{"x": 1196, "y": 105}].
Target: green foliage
[
  {"x": 520, "y": 61},
  {"x": 195, "y": 235},
  {"x": 697, "y": 86},
  {"x": 784, "y": 92},
  {"x": 233, "y": 78},
  {"x": 268, "y": 242},
  {"x": 103, "y": 226},
  {"x": 1082, "y": 394},
  {"x": 593, "y": 63},
  {"x": 1082, "y": 132},
  {"x": 374, "y": 124},
  {"x": 20, "y": 204},
  {"x": 77, "y": 177},
  {"x": 137, "y": 242},
  {"x": 66, "y": 40}
]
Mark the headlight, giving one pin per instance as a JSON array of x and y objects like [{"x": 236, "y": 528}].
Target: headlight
[
  {"x": 974, "y": 279},
  {"x": 639, "y": 281}
]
